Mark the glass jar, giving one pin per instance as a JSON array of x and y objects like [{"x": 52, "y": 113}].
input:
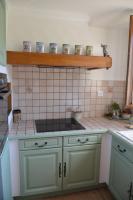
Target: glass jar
[
  {"x": 40, "y": 47},
  {"x": 16, "y": 115},
  {"x": 27, "y": 46},
  {"x": 53, "y": 48},
  {"x": 66, "y": 49},
  {"x": 78, "y": 49},
  {"x": 89, "y": 50}
]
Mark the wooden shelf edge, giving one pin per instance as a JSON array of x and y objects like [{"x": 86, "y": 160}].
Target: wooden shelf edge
[{"x": 58, "y": 60}]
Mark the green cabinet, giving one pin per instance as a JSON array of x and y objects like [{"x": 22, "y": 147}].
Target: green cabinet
[
  {"x": 41, "y": 171},
  {"x": 5, "y": 173},
  {"x": 58, "y": 163},
  {"x": 121, "y": 172},
  {"x": 2, "y": 32},
  {"x": 81, "y": 166}
]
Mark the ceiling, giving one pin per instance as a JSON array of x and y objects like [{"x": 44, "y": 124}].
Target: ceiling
[{"x": 104, "y": 13}]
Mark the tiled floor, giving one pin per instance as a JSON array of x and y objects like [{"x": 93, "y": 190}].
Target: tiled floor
[{"x": 97, "y": 194}]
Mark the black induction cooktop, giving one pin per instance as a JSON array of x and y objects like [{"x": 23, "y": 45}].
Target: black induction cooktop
[{"x": 49, "y": 125}]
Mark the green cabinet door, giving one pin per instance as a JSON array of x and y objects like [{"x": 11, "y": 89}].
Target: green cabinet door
[
  {"x": 41, "y": 171},
  {"x": 121, "y": 171},
  {"x": 5, "y": 173},
  {"x": 2, "y": 32},
  {"x": 81, "y": 166}
]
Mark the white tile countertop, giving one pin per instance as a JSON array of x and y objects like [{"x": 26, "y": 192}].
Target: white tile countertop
[{"x": 27, "y": 129}]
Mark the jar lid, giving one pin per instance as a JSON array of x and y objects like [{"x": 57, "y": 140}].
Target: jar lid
[{"x": 16, "y": 111}]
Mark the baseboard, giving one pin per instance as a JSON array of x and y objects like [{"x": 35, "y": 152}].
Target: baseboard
[{"x": 33, "y": 197}]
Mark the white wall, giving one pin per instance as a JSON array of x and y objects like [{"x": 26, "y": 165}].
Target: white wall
[
  {"x": 3, "y": 69},
  {"x": 28, "y": 24}
]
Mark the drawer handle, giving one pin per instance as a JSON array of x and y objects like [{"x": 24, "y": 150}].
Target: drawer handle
[
  {"x": 42, "y": 145},
  {"x": 60, "y": 171},
  {"x": 121, "y": 150},
  {"x": 83, "y": 142},
  {"x": 64, "y": 169}
]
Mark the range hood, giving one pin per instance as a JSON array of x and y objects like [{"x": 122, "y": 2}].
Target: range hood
[{"x": 58, "y": 60}]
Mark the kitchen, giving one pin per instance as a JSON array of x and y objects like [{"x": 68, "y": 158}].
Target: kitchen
[{"x": 68, "y": 97}]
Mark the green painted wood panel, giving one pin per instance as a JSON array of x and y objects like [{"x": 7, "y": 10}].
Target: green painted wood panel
[
  {"x": 5, "y": 173},
  {"x": 121, "y": 175},
  {"x": 40, "y": 171},
  {"x": 82, "y": 166},
  {"x": 2, "y": 32}
]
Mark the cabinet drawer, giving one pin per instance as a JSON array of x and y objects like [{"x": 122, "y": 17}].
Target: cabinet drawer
[
  {"x": 82, "y": 140},
  {"x": 123, "y": 148},
  {"x": 40, "y": 143}
]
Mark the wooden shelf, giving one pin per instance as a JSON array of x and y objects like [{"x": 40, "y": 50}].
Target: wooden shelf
[{"x": 59, "y": 60}]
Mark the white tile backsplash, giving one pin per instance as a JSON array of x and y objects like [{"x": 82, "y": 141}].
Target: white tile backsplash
[{"x": 43, "y": 93}]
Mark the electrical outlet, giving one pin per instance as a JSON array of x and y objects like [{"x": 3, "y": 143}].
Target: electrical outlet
[{"x": 100, "y": 93}]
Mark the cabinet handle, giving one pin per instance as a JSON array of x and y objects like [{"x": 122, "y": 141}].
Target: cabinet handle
[
  {"x": 121, "y": 150},
  {"x": 83, "y": 142},
  {"x": 64, "y": 169},
  {"x": 60, "y": 171},
  {"x": 130, "y": 192},
  {"x": 42, "y": 145}
]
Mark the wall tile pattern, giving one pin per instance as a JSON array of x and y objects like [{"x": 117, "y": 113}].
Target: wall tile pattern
[{"x": 46, "y": 93}]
